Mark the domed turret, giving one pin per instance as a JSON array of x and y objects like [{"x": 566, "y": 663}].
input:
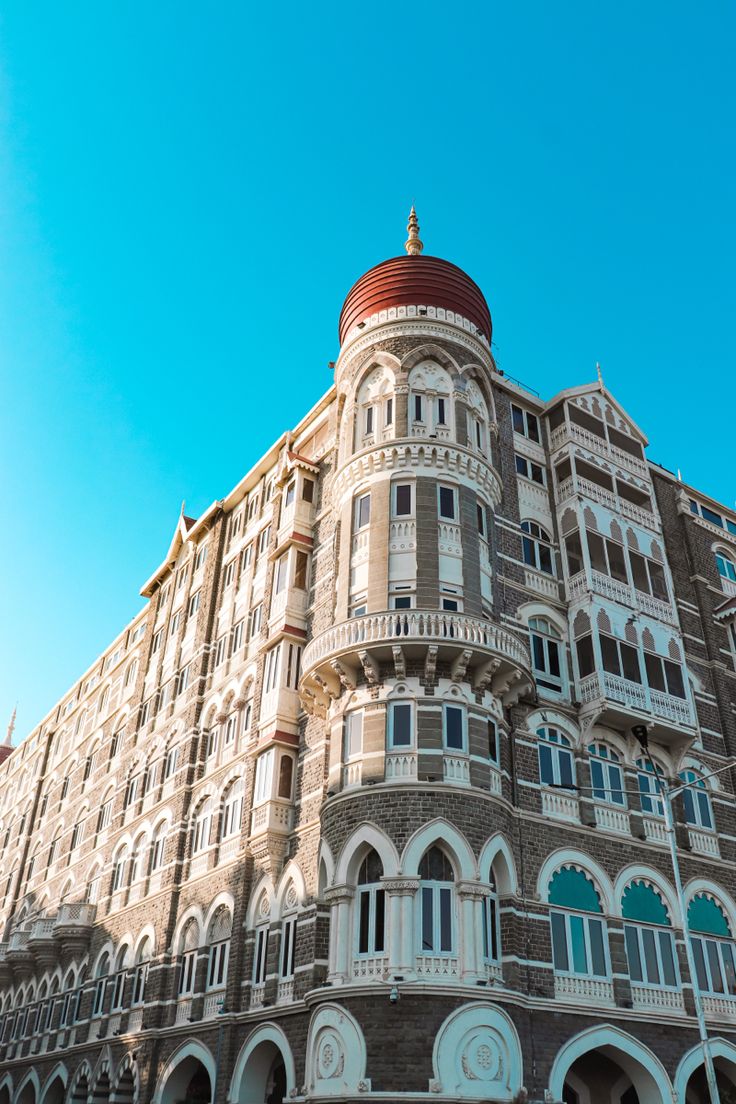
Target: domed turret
[{"x": 415, "y": 280}]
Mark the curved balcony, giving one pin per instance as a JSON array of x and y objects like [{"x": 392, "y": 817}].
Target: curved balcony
[{"x": 475, "y": 649}]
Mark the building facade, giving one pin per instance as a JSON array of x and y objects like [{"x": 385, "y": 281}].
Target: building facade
[{"x": 353, "y": 807}]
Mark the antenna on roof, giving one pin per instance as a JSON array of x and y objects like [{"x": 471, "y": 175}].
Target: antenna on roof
[
  {"x": 413, "y": 245},
  {"x": 600, "y": 374}
]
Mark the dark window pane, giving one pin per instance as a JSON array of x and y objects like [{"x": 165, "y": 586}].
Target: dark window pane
[
  {"x": 453, "y": 726},
  {"x": 673, "y": 673},
  {"x": 617, "y": 786},
  {"x": 668, "y": 958},
  {"x": 545, "y": 559},
  {"x": 704, "y": 805},
  {"x": 650, "y": 956},
  {"x": 596, "y": 780},
  {"x": 632, "y": 953},
  {"x": 445, "y": 919},
  {"x": 418, "y": 408},
  {"x": 574, "y": 553},
  {"x": 597, "y": 553},
  {"x": 517, "y": 416},
  {"x": 728, "y": 967},
  {"x": 655, "y": 672},
  {"x": 689, "y": 800},
  {"x": 538, "y": 653},
  {"x": 527, "y": 547},
  {"x": 403, "y": 499},
  {"x": 533, "y": 427},
  {"x": 553, "y": 652},
  {"x": 447, "y": 502},
  {"x": 379, "y": 941},
  {"x": 402, "y": 724},
  {"x": 712, "y": 516},
  {"x": 577, "y": 945},
  {"x": 427, "y": 917},
  {"x": 616, "y": 561},
  {"x": 545, "y": 764},
  {"x": 714, "y": 966},
  {"x": 609, "y": 652},
  {"x": 521, "y": 467},
  {"x": 639, "y": 572},
  {"x": 584, "y": 648},
  {"x": 700, "y": 971},
  {"x": 658, "y": 580},
  {"x": 630, "y": 661},
  {"x": 565, "y": 761},
  {"x": 598, "y": 954},
  {"x": 559, "y": 943},
  {"x": 365, "y": 907}
]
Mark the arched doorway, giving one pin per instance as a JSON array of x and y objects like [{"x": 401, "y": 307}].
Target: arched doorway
[
  {"x": 697, "y": 1086},
  {"x": 125, "y": 1088},
  {"x": 606, "y": 1066},
  {"x": 188, "y": 1083},
  {"x": 54, "y": 1093},
  {"x": 5, "y": 1095},
  {"x": 264, "y": 1070},
  {"x": 27, "y": 1094},
  {"x": 101, "y": 1091},
  {"x": 80, "y": 1093}
]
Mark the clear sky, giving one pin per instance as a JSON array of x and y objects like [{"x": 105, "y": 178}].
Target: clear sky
[{"x": 187, "y": 191}]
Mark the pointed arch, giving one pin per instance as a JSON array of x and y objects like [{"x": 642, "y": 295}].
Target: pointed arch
[
  {"x": 175, "y": 1074},
  {"x": 363, "y": 837},
  {"x": 194, "y": 912},
  {"x": 627, "y": 1051},
  {"x": 441, "y": 832},
  {"x": 58, "y": 1073},
  {"x": 635, "y": 872},
  {"x": 497, "y": 853},
  {"x": 254, "y": 1063},
  {"x": 581, "y": 861},
  {"x": 292, "y": 873},
  {"x": 693, "y": 1060},
  {"x": 263, "y": 885}
]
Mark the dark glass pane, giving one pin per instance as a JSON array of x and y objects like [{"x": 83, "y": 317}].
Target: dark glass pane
[
  {"x": 711, "y": 516},
  {"x": 668, "y": 958},
  {"x": 517, "y": 416},
  {"x": 700, "y": 971},
  {"x": 673, "y": 673},
  {"x": 728, "y": 967},
  {"x": 598, "y": 954},
  {"x": 574, "y": 553},
  {"x": 577, "y": 945},
  {"x": 659, "y": 583},
  {"x": 402, "y": 725},
  {"x": 616, "y": 785},
  {"x": 453, "y": 726},
  {"x": 714, "y": 966},
  {"x": 538, "y": 652},
  {"x": 553, "y": 651},
  {"x": 537, "y": 474},
  {"x": 447, "y": 502},
  {"x": 481, "y": 519},
  {"x": 486, "y": 944},
  {"x": 492, "y": 742},
  {"x": 527, "y": 547},
  {"x": 418, "y": 408},
  {"x": 363, "y": 929},
  {"x": 617, "y": 561},
  {"x": 639, "y": 572},
  {"x": 403, "y": 499},
  {"x": 427, "y": 915},
  {"x": 564, "y": 759},
  {"x": 436, "y": 867},
  {"x": 596, "y": 780},
  {"x": 493, "y": 925},
  {"x": 650, "y": 956},
  {"x": 704, "y": 805},
  {"x": 441, "y": 412},
  {"x": 655, "y": 673},
  {"x": 545, "y": 559},
  {"x": 371, "y": 869},
  {"x": 632, "y": 953},
  {"x": 545, "y": 764},
  {"x": 689, "y": 800},
  {"x": 597, "y": 553},
  {"x": 379, "y": 940},
  {"x": 584, "y": 648},
  {"x": 630, "y": 661},
  {"x": 445, "y": 919},
  {"x": 533, "y": 427},
  {"x": 609, "y": 652}
]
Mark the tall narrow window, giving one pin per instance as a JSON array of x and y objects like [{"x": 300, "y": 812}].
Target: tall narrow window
[
  {"x": 698, "y": 811},
  {"x": 546, "y": 642},
  {"x": 402, "y": 499},
  {"x": 605, "y": 774},
  {"x": 400, "y": 727},
  {"x": 650, "y": 947},
  {"x": 447, "y": 503},
  {"x": 288, "y": 948},
  {"x": 578, "y": 931},
  {"x": 454, "y": 727},
  {"x": 649, "y": 788},
  {"x": 537, "y": 548},
  {"x": 353, "y": 733},
  {"x": 260, "y": 956},
  {"x": 437, "y": 903},
  {"x": 556, "y": 764},
  {"x": 371, "y": 907},
  {"x": 362, "y": 511},
  {"x": 491, "y": 926}
]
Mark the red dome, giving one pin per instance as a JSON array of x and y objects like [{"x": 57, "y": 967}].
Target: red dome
[{"x": 415, "y": 281}]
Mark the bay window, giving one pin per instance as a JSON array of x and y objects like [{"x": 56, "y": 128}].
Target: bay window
[
  {"x": 620, "y": 658},
  {"x": 664, "y": 675}
]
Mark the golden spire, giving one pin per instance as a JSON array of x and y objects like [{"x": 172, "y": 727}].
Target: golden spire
[{"x": 413, "y": 245}]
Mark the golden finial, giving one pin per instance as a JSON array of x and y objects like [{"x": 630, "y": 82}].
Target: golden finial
[{"x": 413, "y": 245}]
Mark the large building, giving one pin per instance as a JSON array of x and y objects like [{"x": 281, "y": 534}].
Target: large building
[{"x": 353, "y": 808}]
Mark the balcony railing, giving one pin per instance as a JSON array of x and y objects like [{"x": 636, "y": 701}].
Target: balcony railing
[
  {"x": 704, "y": 843},
  {"x": 719, "y": 1008},
  {"x": 560, "y": 805},
  {"x": 612, "y": 820},
  {"x": 371, "y": 966},
  {"x": 400, "y": 767},
  {"x": 655, "y": 999},
  {"x": 413, "y": 631},
  {"x": 637, "y": 697},
  {"x": 576, "y": 484},
  {"x": 437, "y": 966},
  {"x": 455, "y": 768},
  {"x": 586, "y": 990},
  {"x": 597, "y": 444}
]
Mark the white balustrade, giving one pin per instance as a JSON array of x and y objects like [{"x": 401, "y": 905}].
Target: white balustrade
[
  {"x": 285, "y": 991},
  {"x": 448, "y": 535},
  {"x": 456, "y": 769},
  {"x": 275, "y": 815},
  {"x": 655, "y": 607},
  {"x": 400, "y": 767},
  {"x": 183, "y": 1010},
  {"x": 655, "y": 830},
  {"x": 402, "y": 535},
  {"x": 135, "y": 1021},
  {"x": 494, "y": 782},
  {"x": 589, "y": 440},
  {"x": 575, "y": 485},
  {"x": 495, "y": 973},
  {"x": 437, "y": 966},
  {"x": 606, "y": 685},
  {"x": 674, "y": 709},
  {"x": 352, "y": 774},
  {"x": 719, "y": 1008},
  {"x": 610, "y": 588},
  {"x": 370, "y": 966},
  {"x": 704, "y": 843},
  {"x": 213, "y": 1002},
  {"x": 656, "y": 999},
  {"x": 257, "y": 994},
  {"x": 612, "y": 820},
  {"x": 556, "y": 803},
  {"x": 541, "y": 582},
  {"x": 586, "y": 990},
  {"x": 423, "y": 625}
]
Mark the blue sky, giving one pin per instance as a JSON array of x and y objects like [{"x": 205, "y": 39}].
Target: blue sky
[{"x": 188, "y": 191}]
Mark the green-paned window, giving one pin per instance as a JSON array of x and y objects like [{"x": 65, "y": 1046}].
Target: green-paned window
[
  {"x": 705, "y": 915},
  {"x": 570, "y": 888},
  {"x": 641, "y": 902}
]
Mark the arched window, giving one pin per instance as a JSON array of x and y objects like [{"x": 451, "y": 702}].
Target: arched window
[
  {"x": 698, "y": 810},
  {"x": 605, "y": 774},
  {"x": 651, "y": 797},
  {"x": 436, "y": 894},
  {"x": 218, "y": 938},
  {"x": 202, "y": 827},
  {"x": 370, "y": 907},
  {"x": 286, "y": 776},
  {"x": 142, "y": 959},
  {"x": 650, "y": 948},
  {"x": 430, "y": 403},
  {"x": 67, "y": 999},
  {"x": 92, "y": 895},
  {"x": 374, "y": 408},
  {"x": 537, "y": 547},
  {"x": 726, "y": 566},
  {"x": 578, "y": 932},
  {"x": 713, "y": 948},
  {"x": 158, "y": 847},
  {"x": 120, "y": 866},
  {"x": 188, "y": 951},
  {"x": 232, "y": 810},
  {"x": 287, "y": 954},
  {"x": 138, "y": 864},
  {"x": 556, "y": 764},
  {"x": 122, "y": 961},
  {"x": 103, "y": 969},
  {"x": 546, "y": 644}
]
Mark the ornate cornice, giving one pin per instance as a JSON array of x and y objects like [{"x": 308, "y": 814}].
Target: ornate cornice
[{"x": 402, "y": 325}]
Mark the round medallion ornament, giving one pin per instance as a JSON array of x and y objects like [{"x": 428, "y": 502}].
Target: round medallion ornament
[
  {"x": 329, "y": 1056},
  {"x": 482, "y": 1058}
]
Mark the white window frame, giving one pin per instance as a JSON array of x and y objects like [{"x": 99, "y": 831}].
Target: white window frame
[
  {"x": 608, "y": 762},
  {"x": 260, "y": 954},
  {"x": 446, "y": 707},
  {"x": 412, "y": 726},
  {"x": 453, "y": 489},
  {"x": 353, "y": 734},
  {"x": 217, "y": 965}
]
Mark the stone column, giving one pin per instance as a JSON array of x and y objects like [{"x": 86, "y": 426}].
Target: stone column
[
  {"x": 470, "y": 895},
  {"x": 401, "y": 893},
  {"x": 340, "y": 899}
]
